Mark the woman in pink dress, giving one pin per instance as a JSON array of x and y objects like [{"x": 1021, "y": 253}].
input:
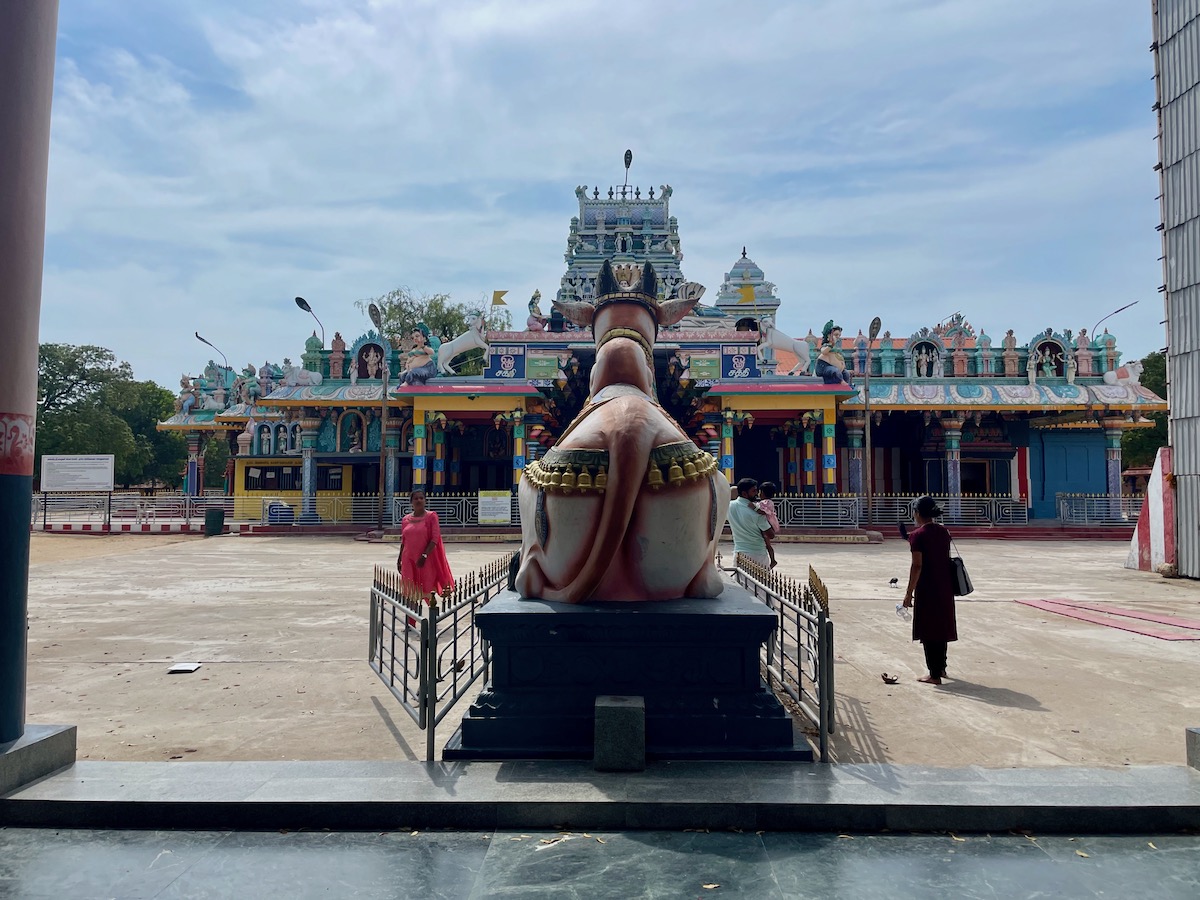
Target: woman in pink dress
[{"x": 422, "y": 561}]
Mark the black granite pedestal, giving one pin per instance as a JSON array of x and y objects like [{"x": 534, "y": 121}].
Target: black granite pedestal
[{"x": 696, "y": 663}]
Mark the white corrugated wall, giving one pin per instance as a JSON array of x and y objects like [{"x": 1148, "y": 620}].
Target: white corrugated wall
[{"x": 1177, "y": 66}]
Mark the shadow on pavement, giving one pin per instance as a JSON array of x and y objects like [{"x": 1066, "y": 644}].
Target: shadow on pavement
[
  {"x": 391, "y": 726},
  {"x": 855, "y": 740},
  {"x": 991, "y": 695}
]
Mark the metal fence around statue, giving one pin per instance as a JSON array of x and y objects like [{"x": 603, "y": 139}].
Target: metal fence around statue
[
  {"x": 797, "y": 659},
  {"x": 428, "y": 656}
]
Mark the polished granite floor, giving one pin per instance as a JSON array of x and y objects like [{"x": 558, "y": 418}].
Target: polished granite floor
[{"x": 81, "y": 865}]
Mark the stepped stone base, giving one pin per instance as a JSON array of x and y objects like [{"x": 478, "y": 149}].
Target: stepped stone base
[
  {"x": 695, "y": 662},
  {"x": 42, "y": 749}
]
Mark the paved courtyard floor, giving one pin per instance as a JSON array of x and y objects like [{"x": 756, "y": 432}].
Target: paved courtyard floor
[
  {"x": 279, "y": 626},
  {"x": 409, "y": 864}
]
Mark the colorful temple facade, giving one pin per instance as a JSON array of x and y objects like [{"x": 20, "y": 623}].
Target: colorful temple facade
[{"x": 952, "y": 412}]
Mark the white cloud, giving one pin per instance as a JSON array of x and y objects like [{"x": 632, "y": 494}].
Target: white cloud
[{"x": 909, "y": 156}]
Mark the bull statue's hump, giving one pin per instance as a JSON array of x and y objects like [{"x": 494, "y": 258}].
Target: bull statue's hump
[{"x": 624, "y": 506}]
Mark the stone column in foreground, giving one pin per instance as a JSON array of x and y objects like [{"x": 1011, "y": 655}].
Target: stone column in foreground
[{"x": 27, "y": 31}]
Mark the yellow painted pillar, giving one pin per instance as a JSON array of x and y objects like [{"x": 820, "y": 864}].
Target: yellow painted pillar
[
  {"x": 438, "y": 435},
  {"x": 518, "y": 446},
  {"x": 420, "y": 461},
  {"x": 810, "y": 460},
  {"x": 829, "y": 457},
  {"x": 829, "y": 449}
]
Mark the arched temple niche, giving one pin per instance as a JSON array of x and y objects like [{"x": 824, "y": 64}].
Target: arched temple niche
[
  {"x": 368, "y": 355},
  {"x": 262, "y": 439},
  {"x": 498, "y": 441},
  {"x": 351, "y": 432},
  {"x": 924, "y": 355},
  {"x": 294, "y": 438},
  {"x": 1050, "y": 351},
  {"x": 280, "y": 439}
]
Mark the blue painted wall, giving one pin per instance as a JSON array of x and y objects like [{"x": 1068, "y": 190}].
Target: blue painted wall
[{"x": 1070, "y": 462}]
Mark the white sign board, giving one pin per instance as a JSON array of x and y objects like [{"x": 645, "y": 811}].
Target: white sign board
[
  {"x": 495, "y": 508},
  {"x": 77, "y": 473}
]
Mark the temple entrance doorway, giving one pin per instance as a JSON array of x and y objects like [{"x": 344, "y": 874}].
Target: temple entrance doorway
[
  {"x": 756, "y": 455},
  {"x": 365, "y": 478},
  {"x": 485, "y": 476}
]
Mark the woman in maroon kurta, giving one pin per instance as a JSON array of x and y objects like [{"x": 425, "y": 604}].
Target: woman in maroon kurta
[
  {"x": 422, "y": 562},
  {"x": 931, "y": 582}
]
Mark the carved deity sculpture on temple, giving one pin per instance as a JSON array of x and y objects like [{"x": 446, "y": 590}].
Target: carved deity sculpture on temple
[
  {"x": 537, "y": 319},
  {"x": 1071, "y": 367},
  {"x": 624, "y": 506},
  {"x": 1049, "y": 362},
  {"x": 372, "y": 358},
  {"x": 920, "y": 361},
  {"x": 420, "y": 362},
  {"x": 831, "y": 364},
  {"x": 189, "y": 396},
  {"x": 1031, "y": 366}
]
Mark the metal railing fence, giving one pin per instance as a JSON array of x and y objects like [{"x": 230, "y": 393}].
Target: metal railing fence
[
  {"x": 966, "y": 509},
  {"x": 125, "y": 506},
  {"x": 1099, "y": 509},
  {"x": 461, "y": 510},
  {"x": 455, "y": 510},
  {"x": 818, "y": 510},
  {"x": 798, "y": 657},
  {"x": 429, "y": 655},
  {"x": 355, "y": 509}
]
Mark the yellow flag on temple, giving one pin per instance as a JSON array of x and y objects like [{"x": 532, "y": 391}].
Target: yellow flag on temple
[
  {"x": 747, "y": 292},
  {"x": 498, "y": 298}
]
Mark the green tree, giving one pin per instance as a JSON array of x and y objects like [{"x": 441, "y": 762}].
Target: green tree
[
  {"x": 1139, "y": 445},
  {"x": 87, "y": 428},
  {"x": 69, "y": 375},
  {"x": 88, "y": 403},
  {"x": 401, "y": 309},
  {"x": 142, "y": 405},
  {"x": 216, "y": 455}
]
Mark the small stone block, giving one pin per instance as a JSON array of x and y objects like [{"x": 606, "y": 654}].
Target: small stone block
[
  {"x": 620, "y": 742},
  {"x": 1193, "y": 747},
  {"x": 42, "y": 749}
]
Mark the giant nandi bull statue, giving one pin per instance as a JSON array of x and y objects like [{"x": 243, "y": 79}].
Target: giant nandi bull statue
[{"x": 624, "y": 506}]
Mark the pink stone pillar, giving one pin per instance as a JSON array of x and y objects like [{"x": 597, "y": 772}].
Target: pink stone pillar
[{"x": 27, "y": 32}]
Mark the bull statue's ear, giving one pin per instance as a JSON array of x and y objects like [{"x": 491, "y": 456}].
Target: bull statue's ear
[
  {"x": 673, "y": 311},
  {"x": 606, "y": 281},
  {"x": 649, "y": 281},
  {"x": 575, "y": 312}
]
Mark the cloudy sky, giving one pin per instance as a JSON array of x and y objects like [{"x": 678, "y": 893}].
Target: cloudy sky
[{"x": 901, "y": 158}]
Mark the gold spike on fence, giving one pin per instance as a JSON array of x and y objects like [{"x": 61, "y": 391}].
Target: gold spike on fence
[{"x": 818, "y": 588}]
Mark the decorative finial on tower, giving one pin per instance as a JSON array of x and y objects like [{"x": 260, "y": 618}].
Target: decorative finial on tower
[{"x": 743, "y": 252}]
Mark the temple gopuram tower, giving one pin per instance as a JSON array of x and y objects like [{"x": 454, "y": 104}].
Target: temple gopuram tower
[
  {"x": 745, "y": 292},
  {"x": 623, "y": 226}
]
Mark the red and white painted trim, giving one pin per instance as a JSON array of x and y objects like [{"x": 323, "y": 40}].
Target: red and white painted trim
[
  {"x": 1153, "y": 542},
  {"x": 99, "y": 528}
]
